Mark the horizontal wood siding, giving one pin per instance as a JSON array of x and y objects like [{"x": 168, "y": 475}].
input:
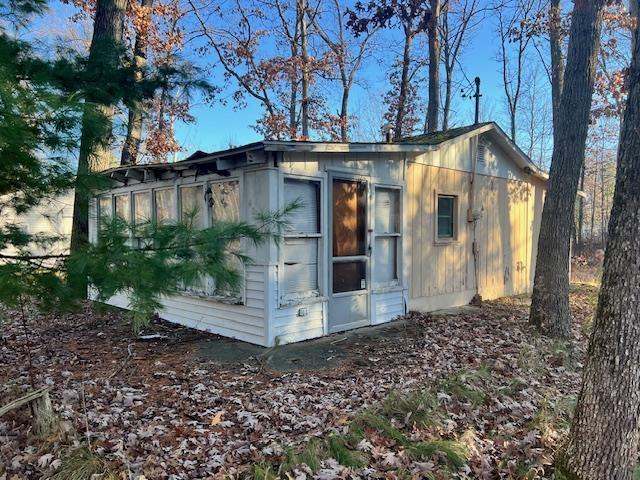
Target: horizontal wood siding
[
  {"x": 244, "y": 322},
  {"x": 387, "y": 306},
  {"x": 287, "y": 326}
]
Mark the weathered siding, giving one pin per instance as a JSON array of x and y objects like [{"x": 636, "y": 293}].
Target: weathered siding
[
  {"x": 387, "y": 306},
  {"x": 509, "y": 203},
  {"x": 244, "y": 322}
]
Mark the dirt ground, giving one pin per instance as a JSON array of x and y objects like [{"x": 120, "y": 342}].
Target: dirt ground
[{"x": 471, "y": 394}]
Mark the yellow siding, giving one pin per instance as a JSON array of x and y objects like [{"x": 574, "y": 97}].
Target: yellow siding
[{"x": 506, "y": 235}]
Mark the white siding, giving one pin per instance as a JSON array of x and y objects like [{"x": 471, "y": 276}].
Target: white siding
[
  {"x": 244, "y": 322},
  {"x": 387, "y": 306}
]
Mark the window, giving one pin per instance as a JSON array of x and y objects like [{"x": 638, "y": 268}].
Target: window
[
  {"x": 224, "y": 201},
  {"x": 447, "y": 214},
  {"x": 191, "y": 203},
  {"x": 165, "y": 205},
  {"x": 387, "y": 235},
  {"x": 141, "y": 216},
  {"x": 122, "y": 209},
  {"x": 141, "y": 208},
  {"x": 301, "y": 243},
  {"x": 104, "y": 207}
]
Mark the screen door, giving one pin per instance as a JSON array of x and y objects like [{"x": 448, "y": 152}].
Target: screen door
[{"x": 349, "y": 302}]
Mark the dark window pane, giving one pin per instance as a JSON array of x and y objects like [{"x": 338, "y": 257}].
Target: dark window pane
[
  {"x": 446, "y": 216},
  {"x": 349, "y": 276},
  {"x": 349, "y": 218}
]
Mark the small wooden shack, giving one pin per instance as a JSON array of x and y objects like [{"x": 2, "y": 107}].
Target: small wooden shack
[{"x": 421, "y": 224}]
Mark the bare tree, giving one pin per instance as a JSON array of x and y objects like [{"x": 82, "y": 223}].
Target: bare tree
[
  {"x": 603, "y": 442},
  {"x": 550, "y": 302},
  {"x": 557, "y": 59},
  {"x": 433, "y": 107},
  {"x": 348, "y": 52},
  {"x": 514, "y": 22},
  {"x": 457, "y": 21}
]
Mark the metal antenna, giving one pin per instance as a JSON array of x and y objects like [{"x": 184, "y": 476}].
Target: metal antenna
[{"x": 475, "y": 96}]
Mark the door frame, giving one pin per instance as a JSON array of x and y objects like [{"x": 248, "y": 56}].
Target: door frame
[{"x": 366, "y": 292}]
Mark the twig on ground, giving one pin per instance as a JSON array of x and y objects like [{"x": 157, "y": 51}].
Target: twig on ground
[{"x": 124, "y": 364}]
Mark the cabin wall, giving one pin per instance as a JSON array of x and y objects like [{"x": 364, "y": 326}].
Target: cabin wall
[
  {"x": 247, "y": 322},
  {"x": 508, "y": 204},
  {"x": 308, "y": 317},
  {"x": 51, "y": 217}
]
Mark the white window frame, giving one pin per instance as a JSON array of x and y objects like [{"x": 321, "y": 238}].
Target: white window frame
[
  {"x": 456, "y": 216},
  {"x": 295, "y": 298},
  {"x": 397, "y": 282}
]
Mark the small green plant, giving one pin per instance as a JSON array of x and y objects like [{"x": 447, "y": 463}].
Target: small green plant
[
  {"x": 411, "y": 408},
  {"x": 339, "y": 450},
  {"x": 455, "y": 453},
  {"x": 463, "y": 387},
  {"x": 83, "y": 464},
  {"x": 263, "y": 471}
]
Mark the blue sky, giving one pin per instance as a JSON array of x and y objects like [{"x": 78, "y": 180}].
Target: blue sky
[{"x": 219, "y": 125}]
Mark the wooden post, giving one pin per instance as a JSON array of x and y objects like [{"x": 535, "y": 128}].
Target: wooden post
[{"x": 44, "y": 419}]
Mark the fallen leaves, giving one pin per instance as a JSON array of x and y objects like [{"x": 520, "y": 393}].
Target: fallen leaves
[{"x": 170, "y": 413}]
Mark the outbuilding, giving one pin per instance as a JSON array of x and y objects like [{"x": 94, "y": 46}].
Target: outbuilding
[{"x": 426, "y": 223}]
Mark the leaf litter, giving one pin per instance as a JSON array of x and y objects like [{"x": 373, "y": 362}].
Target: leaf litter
[{"x": 475, "y": 394}]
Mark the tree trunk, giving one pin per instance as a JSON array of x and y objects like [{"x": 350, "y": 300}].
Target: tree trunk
[
  {"x": 604, "y": 436},
  {"x": 550, "y": 301},
  {"x": 344, "y": 111},
  {"x": 404, "y": 85},
  {"x": 305, "y": 69},
  {"x": 580, "y": 236},
  {"x": 447, "y": 98},
  {"x": 134, "y": 126},
  {"x": 557, "y": 62},
  {"x": 94, "y": 154},
  {"x": 433, "y": 107}
]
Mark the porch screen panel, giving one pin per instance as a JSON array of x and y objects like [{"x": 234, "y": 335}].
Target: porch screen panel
[
  {"x": 165, "y": 205},
  {"x": 104, "y": 210},
  {"x": 301, "y": 244},
  {"x": 122, "y": 209},
  {"x": 349, "y": 218},
  {"x": 104, "y": 206},
  {"x": 141, "y": 216},
  {"x": 224, "y": 199},
  {"x": 224, "y": 203},
  {"x": 191, "y": 205},
  {"x": 141, "y": 208}
]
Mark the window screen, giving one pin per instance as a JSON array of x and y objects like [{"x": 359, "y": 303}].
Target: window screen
[
  {"x": 224, "y": 199},
  {"x": 302, "y": 237},
  {"x": 121, "y": 203},
  {"x": 141, "y": 207},
  {"x": 165, "y": 205},
  {"x": 349, "y": 218},
  {"x": 104, "y": 206},
  {"x": 446, "y": 216},
  {"x": 191, "y": 203}
]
